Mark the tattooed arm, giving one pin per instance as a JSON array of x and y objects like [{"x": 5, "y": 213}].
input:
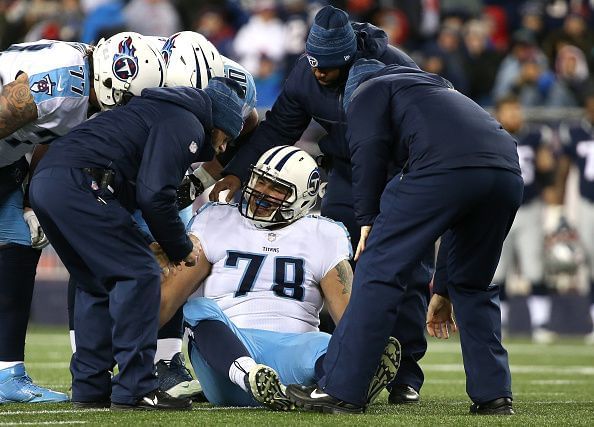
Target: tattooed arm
[
  {"x": 17, "y": 107},
  {"x": 336, "y": 287}
]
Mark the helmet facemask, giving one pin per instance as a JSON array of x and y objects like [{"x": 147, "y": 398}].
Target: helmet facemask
[{"x": 273, "y": 205}]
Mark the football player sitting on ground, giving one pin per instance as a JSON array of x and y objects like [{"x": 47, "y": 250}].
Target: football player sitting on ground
[{"x": 267, "y": 268}]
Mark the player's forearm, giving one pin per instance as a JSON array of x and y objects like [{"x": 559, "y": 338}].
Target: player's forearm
[
  {"x": 17, "y": 107},
  {"x": 178, "y": 287}
]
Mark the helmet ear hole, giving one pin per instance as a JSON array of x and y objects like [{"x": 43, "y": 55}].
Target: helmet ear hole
[{"x": 107, "y": 83}]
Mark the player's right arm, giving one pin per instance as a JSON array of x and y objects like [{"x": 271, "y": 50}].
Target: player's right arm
[
  {"x": 177, "y": 288},
  {"x": 17, "y": 107},
  {"x": 336, "y": 286}
]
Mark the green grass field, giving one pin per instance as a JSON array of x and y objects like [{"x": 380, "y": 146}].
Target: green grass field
[{"x": 553, "y": 385}]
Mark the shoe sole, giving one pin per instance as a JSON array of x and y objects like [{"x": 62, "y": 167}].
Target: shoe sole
[
  {"x": 325, "y": 409},
  {"x": 502, "y": 410},
  {"x": 386, "y": 371},
  {"x": 119, "y": 407},
  {"x": 185, "y": 389},
  {"x": 267, "y": 389}
]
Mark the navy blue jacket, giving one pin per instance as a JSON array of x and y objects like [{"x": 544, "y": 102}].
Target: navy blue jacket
[
  {"x": 303, "y": 99},
  {"x": 149, "y": 143},
  {"x": 408, "y": 115}
]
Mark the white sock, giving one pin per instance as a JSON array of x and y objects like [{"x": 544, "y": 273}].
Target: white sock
[
  {"x": 167, "y": 348},
  {"x": 239, "y": 369},
  {"x": 540, "y": 310},
  {"x": 6, "y": 365},
  {"x": 72, "y": 342},
  {"x": 504, "y": 312}
]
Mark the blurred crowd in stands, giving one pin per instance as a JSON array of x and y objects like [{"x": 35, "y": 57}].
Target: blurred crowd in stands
[
  {"x": 513, "y": 57},
  {"x": 541, "y": 50}
]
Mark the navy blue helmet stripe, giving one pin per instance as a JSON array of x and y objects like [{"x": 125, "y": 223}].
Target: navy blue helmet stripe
[
  {"x": 269, "y": 158},
  {"x": 282, "y": 161},
  {"x": 198, "y": 73}
]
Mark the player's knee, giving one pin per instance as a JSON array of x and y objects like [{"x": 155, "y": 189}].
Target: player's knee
[{"x": 199, "y": 309}]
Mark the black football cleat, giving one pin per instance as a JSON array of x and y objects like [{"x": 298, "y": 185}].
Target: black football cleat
[
  {"x": 155, "y": 400},
  {"x": 264, "y": 386},
  {"x": 313, "y": 399},
  {"x": 402, "y": 394},
  {"x": 501, "y": 406},
  {"x": 386, "y": 371},
  {"x": 96, "y": 404}
]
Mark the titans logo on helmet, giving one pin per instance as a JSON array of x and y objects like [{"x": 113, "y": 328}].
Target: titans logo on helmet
[
  {"x": 168, "y": 48},
  {"x": 45, "y": 85},
  {"x": 313, "y": 182},
  {"x": 125, "y": 63}
]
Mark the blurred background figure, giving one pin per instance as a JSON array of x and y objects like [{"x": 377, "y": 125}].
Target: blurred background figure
[
  {"x": 520, "y": 268},
  {"x": 152, "y": 17},
  {"x": 254, "y": 39}
]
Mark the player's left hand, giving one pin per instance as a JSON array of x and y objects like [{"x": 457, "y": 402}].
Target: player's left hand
[
  {"x": 365, "y": 230},
  {"x": 38, "y": 238},
  {"x": 440, "y": 317}
]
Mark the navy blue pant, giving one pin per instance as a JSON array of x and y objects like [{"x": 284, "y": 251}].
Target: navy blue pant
[
  {"x": 118, "y": 285},
  {"x": 18, "y": 264},
  {"x": 409, "y": 327},
  {"x": 477, "y": 207}
]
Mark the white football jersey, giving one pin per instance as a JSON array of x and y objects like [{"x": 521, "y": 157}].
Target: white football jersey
[
  {"x": 268, "y": 279},
  {"x": 59, "y": 81}
]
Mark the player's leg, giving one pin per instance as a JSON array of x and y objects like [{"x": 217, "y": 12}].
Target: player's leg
[
  {"x": 224, "y": 359},
  {"x": 18, "y": 263},
  {"x": 409, "y": 328},
  {"x": 413, "y": 215},
  {"x": 472, "y": 259},
  {"x": 586, "y": 231},
  {"x": 174, "y": 378},
  {"x": 530, "y": 257},
  {"x": 97, "y": 235}
]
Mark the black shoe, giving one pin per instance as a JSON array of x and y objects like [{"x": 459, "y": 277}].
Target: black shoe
[
  {"x": 265, "y": 387},
  {"x": 313, "y": 399},
  {"x": 386, "y": 371},
  {"x": 501, "y": 406},
  {"x": 175, "y": 379},
  {"x": 98, "y": 404},
  {"x": 155, "y": 400},
  {"x": 403, "y": 394}
]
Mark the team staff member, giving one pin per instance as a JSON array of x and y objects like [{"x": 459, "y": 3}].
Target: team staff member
[
  {"x": 84, "y": 191},
  {"x": 314, "y": 90},
  {"x": 463, "y": 173}
]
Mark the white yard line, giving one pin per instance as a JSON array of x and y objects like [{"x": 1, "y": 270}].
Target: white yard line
[
  {"x": 517, "y": 369},
  {"x": 38, "y": 423}
]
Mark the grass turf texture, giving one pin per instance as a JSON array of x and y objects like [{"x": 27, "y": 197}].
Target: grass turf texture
[{"x": 553, "y": 385}]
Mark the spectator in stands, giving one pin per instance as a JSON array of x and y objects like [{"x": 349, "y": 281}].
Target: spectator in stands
[
  {"x": 444, "y": 57},
  {"x": 211, "y": 23},
  {"x": 152, "y": 17},
  {"x": 480, "y": 63},
  {"x": 524, "y": 72},
  {"x": 572, "y": 78},
  {"x": 263, "y": 34},
  {"x": 574, "y": 32}
]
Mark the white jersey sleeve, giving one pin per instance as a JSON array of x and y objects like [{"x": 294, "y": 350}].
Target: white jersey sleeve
[
  {"x": 334, "y": 243},
  {"x": 268, "y": 279},
  {"x": 59, "y": 81}
]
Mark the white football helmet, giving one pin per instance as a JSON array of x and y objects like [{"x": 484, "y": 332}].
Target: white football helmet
[
  {"x": 191, "y": 60},
  {"x": 124, "y": 65},
  {"x": 292, "y": 170}
]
